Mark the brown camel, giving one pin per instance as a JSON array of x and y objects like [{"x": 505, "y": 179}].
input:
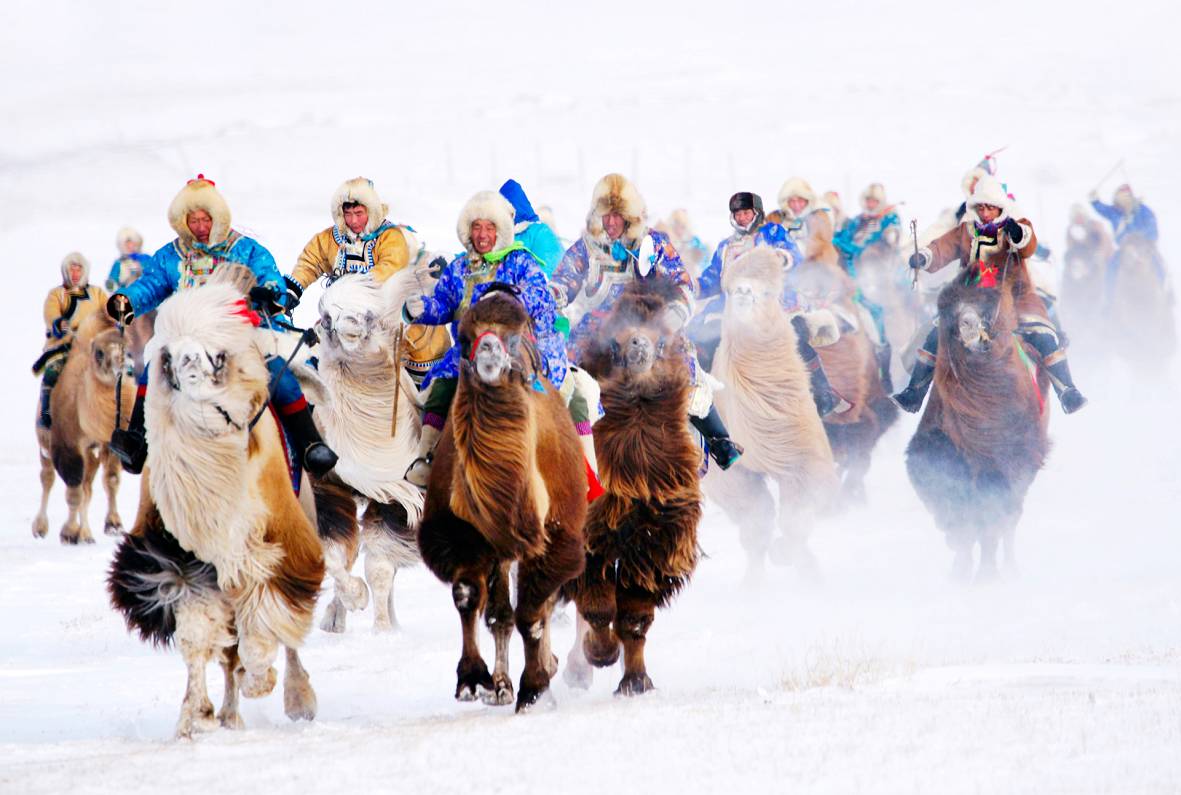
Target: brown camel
[
  {"x": 982, "y": 437},
  {"x": 852, "y": 370},
  {"x": 83, "y": 411},
  {"x": 767, "y": 405},
  {"x": 508, "y": 486},
  {"x": 642, "y": 532},
  {"x": 222, "y": 559}
]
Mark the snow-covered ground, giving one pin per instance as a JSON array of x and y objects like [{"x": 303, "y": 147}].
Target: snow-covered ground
[{"x": 884, "y": 677}]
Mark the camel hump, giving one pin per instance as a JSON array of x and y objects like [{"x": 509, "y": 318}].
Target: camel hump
[{"x": 234, "y": 274}]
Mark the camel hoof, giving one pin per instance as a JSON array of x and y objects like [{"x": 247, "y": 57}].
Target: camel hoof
[
  {"x": 578, "y": 677},
  {"x": 69, "y": 535},
  {"x": 257, "y": 686},
  {"x": 299, "y": 702},
  {"x": 501, "y": 693},
  {"x": 334, "y": 618},
  {"x": 113, "y": 528},
  {"x": 532, "y": 699},
  {"x": 634, "y": 685},
  {"x": 232, "y": 721},
  {"x": 354, "y": 595},
  {"x": 198, "y": 720},
  {"x": 40, "y": 527},
  {"x": 600, "y": 655},
  {"x": 472, "y": 677}
]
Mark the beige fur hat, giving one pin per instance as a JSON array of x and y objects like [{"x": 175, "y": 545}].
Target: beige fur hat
[
  {"x": 487, "y": 205},
  {"x": 615, "y": 193},
  {"x": 200, "y": 194},
  {"x": 358, "y": 190},
  {"x": 876, "y": 190},
  {"x": 797, "y": 187}
]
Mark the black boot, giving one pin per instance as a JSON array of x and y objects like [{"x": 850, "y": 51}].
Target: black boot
[
  {"x": 883, "y": 355},
  {"x": 1068, "y": 395},
  {"x": 318, "y": 458},
  {"x": 46, "y": 390},
  {"x": 911, "y": 398},
  {"x": 826, "y": 398},
  {"x": 722, "y": 448},
  {"x": 130, "y": 446}
]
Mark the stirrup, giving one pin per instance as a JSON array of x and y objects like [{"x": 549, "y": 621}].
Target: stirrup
[
  {"x": 426, "y": 461},
  {"x": 130, "y": 448},
  {"x": 319, "y": 459}
]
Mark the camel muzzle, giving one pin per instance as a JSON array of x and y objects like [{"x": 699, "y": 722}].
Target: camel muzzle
[
  {"x": 491, "y": 358},
  {"x": 639, "y": 354}
]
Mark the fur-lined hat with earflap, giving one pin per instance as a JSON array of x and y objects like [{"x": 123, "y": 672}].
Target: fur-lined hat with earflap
[
  {"x": 199, "y": 194},
  {"x": 614, "y": 193},
  {"x": 75, "y": 258},
  {"x": 798, "y": 187},
  {"x": 990, "y": 191},
  {"x": 487, "y": 205},
  {"x": 358, "y": 190}
]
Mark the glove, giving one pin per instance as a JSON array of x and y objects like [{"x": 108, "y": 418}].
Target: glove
[
  {"x": 918, "y": 260},
  {"x": 119, "y": 308},
  {"x": 294, "y": 293},
  {"x": 619, "y": 252},
  {"x": 435, "y": 266},
  {"x": 58, "y": 325},
  {"x": 674, "y": 319},
  {"x": 1013, "y": 230},
  {"x": 267, "y": 299},
  {"x": 413, "y": 308}
]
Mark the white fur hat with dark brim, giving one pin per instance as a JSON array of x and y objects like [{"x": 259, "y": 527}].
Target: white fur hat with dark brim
[
  {"x": 200, "y": 194},
  {"x": 990, "y": 191},
  {"x": 487, "y": 205},
  {"x": 358, "y": 190}
]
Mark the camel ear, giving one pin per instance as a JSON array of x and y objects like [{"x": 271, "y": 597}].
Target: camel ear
[{"x": 823, "y": 329}]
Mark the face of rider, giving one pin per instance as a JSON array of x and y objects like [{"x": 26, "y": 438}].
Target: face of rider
[
  {"x": 871, "y": 204},
  {"x": 797, "y": 204},
  {"x": 987, "y": 213},
  {"x": 483, "y": 235},
  {"x": 200, "y": 224},
  {"x": 356, "y": 217},
  {"x": 744, "y": 217},
  {"x": 75, "y": 274},
  {"x": 613, "y": 225}
]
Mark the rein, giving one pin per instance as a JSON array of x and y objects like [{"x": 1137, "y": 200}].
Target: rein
[
  {"x": 119, "y": 380},
  {"x": 306, "y": 337}
]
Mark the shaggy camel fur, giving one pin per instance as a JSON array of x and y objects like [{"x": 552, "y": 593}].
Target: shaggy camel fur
[
  {"x": 359, "y": 385},
  {"x": 508, "y": 485},
  {"x": 853, "y": 372},
  {"x": 641, "y": 534},
  {"x": 767, "y": 405},
  {"x": 218, "y": 485},
  {"x": 983, "y": 435},
  {"x": 83, "y": 411}
]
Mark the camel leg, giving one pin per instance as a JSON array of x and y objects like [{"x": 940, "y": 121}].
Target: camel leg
[
  {"x": 498, "y": 617},
  {"x": 228, "y": 716},
  {"x": 335, "y": 616},
  {"x": 340, "y": 537},
  {"x": 75, "y": 529},
  {"x": 379, "y": 573},
  {"x": 202, "y": 629},
  {"x": 470, "y": 594},
  {"x": 338, "y": 562},
  {"x": 795, "y": 525},
  {"x": 988, "y": 571},
  {"x": 579, "y": 673},
  {"x": 257, "y": 652},
  {"x": 538, "y": 582},
  {"x": 1012, "y": 569},
  {"x": 41, "y": 521},
  {"x": 747, "y": 502},
  {"x": 113, "y": 524},
  {"x": 961, "y": 567},
  {"x": 596, "y": 606},
  {"x": 92, "y": 466},
  {"x": 637, "y": 610},
  {"x": 299, "y": 699}
]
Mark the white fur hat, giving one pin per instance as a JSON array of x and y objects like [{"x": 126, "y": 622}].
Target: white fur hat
[
  {"x": 615, "y": 193},
  {"x": 127, "y": 235},
  {"x": 973, "y": 174},
  {"x": 990, "y": 191},
  {"x": 487, "y": 205},
  {"x": 876, "y": 190},
  {"x": 200, "y": 194},
  {"x": 358, "y": 190},
  {"x": 797, "y": 186},
  {"x": 75, "y": 258}
]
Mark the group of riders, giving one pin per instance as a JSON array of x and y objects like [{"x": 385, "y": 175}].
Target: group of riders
[{"x": 569, "y": 290}]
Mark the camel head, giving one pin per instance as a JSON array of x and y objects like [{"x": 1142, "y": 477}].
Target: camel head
[
  {"x": 754, "y": 284},
  {"x": 634, "y": 341},
  {"x": 495, "y": 337},
  {"x": 204, "y": 360},
  {"x": 107, "y": 356},
  {"x": 975, "y": 319},
  {"x": 358, "y": 318}
]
